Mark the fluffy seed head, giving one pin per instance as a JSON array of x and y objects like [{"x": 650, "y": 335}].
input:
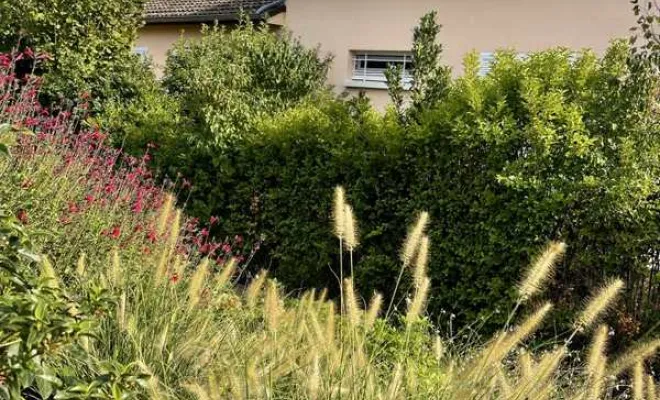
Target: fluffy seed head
[
  {"x": 541, "y": 270},
  {"x": 421, "y": 261},
  {"x": 417, "y": 304},
  {"x": 338, "y": 209},
  {"x": 165, "y": 212},
  {"x": 350, "y": 302},
  {"x": 599, "y": 303},
  {"x": 529, "y": 326},
  {"x": 412, "y": 240},
  {"x": 197, "y": 283},
  {"x": 638, "y": 381},
  {"x": 351, "y": 240},
  {"x": 597, "y": 350},
  {"x": 81, "y": 266},
  {"x": 48, "y": 273},
  {"x": 272, "y": 306},
  {"x": 374, "y": 309},
  {"x": 639, "y": 353},
  {"x": 254, "y": 289},
  {"x": 226, "y": 274}
]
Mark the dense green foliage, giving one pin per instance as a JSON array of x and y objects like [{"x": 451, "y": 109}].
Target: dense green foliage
[
  {"x": 90, "y": 43},
  {"x": 555, "y": 146}
]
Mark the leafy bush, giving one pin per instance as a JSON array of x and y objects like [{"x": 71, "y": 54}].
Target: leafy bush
[
  {"x": 90, "y": 43},
  {"x": 229, "y": 77},
  {"x": 555, "y": 146}
]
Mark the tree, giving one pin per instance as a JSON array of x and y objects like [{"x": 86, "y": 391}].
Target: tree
[
  {"x": 430, "y": 79},
  {"x": 90, "y": 43}
]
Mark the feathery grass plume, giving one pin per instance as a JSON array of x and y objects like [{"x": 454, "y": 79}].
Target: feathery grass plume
[
  {"x": 641, "y": 352},
  {"x": 503, "y": 382},
  {"x": 162, "y": 339},
  {"x": 173, "y": 237},
  {"x": 179, "y": 266},
  {"x": 152, "y": 381},
  {"x": 272, "y": 306},
  {"x": 395, "y": 383},
  {"x": 330, "y": 323},
  {"x": 351, "y": 240},
  {"x": 374, "y": 309},
  {"x": 48, "y": 273},
  {"x": 351, "y": 304},
  {"x": 638, "y": 381},
  {"x": 254, "y": 289},
  {"x": 81, "y": 266},
  {"x": 438, "y": 348},
  {"x": 197, "y": 390},
  {"x": 540, "y": 383},
  {"x": 650, "y": 388},
  {"x": 165, "y": 212},
  {"x": 597, "y": 350},
  {"x": 597, "y": 379},
  {"x": 115, "y": 275},
  {"x": 121, "y": 311},
  {"x": 526, "y": 365},
  {"x": 226, "y": 273},
  {"x": 415, "y": 234},
  {"x": 197, "y": 283},
  {"x": 314, "y": 379},
  {"x": 338, "y": 209},
  {"x": 599, "y": 303},
  {"x": 511, "y": 340},
  {"x": 421, "y": 261},
  {"x": 160, "y": 273},
  {"x": 542, "y": 269},
  {"x": 417, "y": 304}
]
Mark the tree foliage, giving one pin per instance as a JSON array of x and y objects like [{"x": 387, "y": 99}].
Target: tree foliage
[{"x": 90, "y": 42}]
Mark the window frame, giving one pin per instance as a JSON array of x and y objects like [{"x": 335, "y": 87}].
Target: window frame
[{"x": 373, "y": 78}]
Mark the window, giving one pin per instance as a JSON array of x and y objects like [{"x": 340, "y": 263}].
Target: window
[
  {"x": 369, "y": 68},
  {"x": 487, "y": 59},
  {"x": 141, "y": 51}
]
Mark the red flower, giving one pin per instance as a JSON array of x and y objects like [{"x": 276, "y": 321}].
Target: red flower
[
  {"x": 204, "y": 232},
  {"x": 115, "y": 232},
  {"x": 151, "y": 235},
  {"x": 22, "y": 216},
  {"x": 174, "y": 278},
  {"x": 214, "y": 220},
  {"x": 73, "y": 207}
]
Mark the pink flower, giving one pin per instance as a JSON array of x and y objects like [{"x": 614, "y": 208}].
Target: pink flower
[
  {"x": 22, "y": 216},
  {"x": 73, "y": 207},
  {"x": 115, "y": 232},
  {"x": 214, "y": 220}
]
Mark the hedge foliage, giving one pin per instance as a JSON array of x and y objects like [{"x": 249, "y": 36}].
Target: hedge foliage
[
  {"x": 89, "y": 45},
  {"x": 556, "y": 146}
]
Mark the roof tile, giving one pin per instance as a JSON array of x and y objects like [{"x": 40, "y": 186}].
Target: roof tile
[{"x": 199, "y": 10}]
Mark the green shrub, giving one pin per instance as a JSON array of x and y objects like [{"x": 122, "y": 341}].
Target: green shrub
[
  {"x": 90, "y": 42},
  {"x": 229, "y": 77},
  {"x": 555, "y": 146}
]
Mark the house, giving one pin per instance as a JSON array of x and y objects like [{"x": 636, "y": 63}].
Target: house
[{"x": 365, "y": 36}]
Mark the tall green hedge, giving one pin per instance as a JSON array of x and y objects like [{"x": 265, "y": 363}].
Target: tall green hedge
[{"x": 557, "y": 146}]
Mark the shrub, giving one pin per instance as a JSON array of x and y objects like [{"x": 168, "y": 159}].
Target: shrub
[
  {"x": 555, "y": 146},
  {"x": 229, "y": 77},
  {"x": 90, "y": 43}
]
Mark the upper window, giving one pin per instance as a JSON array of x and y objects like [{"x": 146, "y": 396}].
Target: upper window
[
  {"x": 141, "y": 51},
  {"x": 371, "y": 66},
  {"x": 486, "y": 60}
]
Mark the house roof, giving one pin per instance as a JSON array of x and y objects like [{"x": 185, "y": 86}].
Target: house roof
[{"x": 164, "y": 11}]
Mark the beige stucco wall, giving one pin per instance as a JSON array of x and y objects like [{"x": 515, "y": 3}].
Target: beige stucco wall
[
  {"x": 159, "y": 38},
  {"x": 340, "y": 26}
]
